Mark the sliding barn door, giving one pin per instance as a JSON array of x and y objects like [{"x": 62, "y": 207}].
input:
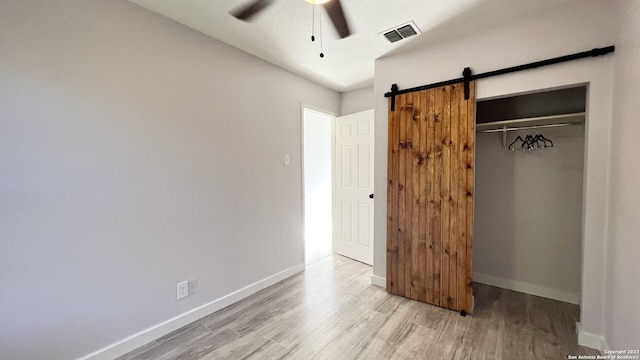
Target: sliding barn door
[{"x": 430, "y": 197}]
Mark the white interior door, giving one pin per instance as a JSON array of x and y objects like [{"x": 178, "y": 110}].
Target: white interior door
[{"x": 354, "y": 185}]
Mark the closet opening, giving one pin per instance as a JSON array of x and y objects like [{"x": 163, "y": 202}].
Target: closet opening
[{"x": 530, "y": 153}]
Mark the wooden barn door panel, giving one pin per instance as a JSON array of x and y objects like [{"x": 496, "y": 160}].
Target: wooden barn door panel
[{"x": 430, "y": 197}]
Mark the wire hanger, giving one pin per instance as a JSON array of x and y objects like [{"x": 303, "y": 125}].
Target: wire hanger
[{"x": 530, "y": 142}]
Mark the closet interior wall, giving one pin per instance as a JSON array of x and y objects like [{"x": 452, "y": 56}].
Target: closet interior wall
[{"x": 528, "y": 213}]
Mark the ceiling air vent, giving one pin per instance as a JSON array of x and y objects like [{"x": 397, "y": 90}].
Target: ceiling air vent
[
  {"x": 407, "y": 31},
  {"x": 401, "y": 32},
  {"x": 393, "y": 36}
]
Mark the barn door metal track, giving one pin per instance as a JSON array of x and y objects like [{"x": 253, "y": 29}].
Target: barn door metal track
[{"x": 467, "y": 75}]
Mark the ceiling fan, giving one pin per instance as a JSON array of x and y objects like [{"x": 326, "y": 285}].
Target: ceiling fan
[{"x": 332, "y": 7}]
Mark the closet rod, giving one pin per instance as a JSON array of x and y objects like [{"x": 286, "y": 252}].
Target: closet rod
[
  {"x": 505, "y": 128},
  {"x": 531, "y": 121}
]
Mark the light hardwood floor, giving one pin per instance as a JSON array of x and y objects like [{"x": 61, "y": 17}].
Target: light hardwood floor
[{"x": 331, "y": 311}]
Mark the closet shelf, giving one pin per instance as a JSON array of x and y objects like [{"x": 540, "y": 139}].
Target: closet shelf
[{"x": 532, "y": 122}]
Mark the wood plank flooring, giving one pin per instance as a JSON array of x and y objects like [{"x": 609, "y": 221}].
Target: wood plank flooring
[{"x": 331, "y": 311}]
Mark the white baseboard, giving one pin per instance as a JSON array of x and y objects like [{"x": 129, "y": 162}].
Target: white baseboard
[
  {"x": 379, "y": 281},
  {"x": 527, "y": 288},
  {"x": 590, "y": 340},
  {"x": 145, "y": 336}
]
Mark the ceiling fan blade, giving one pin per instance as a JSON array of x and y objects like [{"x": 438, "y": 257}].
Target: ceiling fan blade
[
  {"x": 251, "y": 9},
  {"x": 336, "y": 14}
]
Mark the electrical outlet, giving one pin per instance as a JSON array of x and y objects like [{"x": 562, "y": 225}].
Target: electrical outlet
[
  {"x": 193, "y": 286},
  {"x": 287, "y": 161},
  {"x": 183, "y": 289}
]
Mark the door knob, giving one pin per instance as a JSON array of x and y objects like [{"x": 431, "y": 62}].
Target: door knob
[{"x": 370, "y": 196}]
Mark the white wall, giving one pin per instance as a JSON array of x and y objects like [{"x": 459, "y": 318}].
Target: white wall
[
  {"x": 136, "y": 153},
  {"x": 623, "y": 251},
  {"x": 528, "y": 214},
  {"x": 575, "y": 27},
  {"x": 357, "y": 100}
]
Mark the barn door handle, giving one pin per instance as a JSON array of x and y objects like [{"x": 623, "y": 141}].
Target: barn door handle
[{"x": 370, "y": 196}]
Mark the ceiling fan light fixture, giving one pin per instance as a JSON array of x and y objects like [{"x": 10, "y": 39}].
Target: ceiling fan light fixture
[{"x": 317, "y": 2}]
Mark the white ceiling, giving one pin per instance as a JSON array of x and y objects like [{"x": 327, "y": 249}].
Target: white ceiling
[{"x": 281, "y": 34}]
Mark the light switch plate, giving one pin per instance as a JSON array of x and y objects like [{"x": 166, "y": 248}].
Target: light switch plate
[{"x": 183, "y": 289}]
